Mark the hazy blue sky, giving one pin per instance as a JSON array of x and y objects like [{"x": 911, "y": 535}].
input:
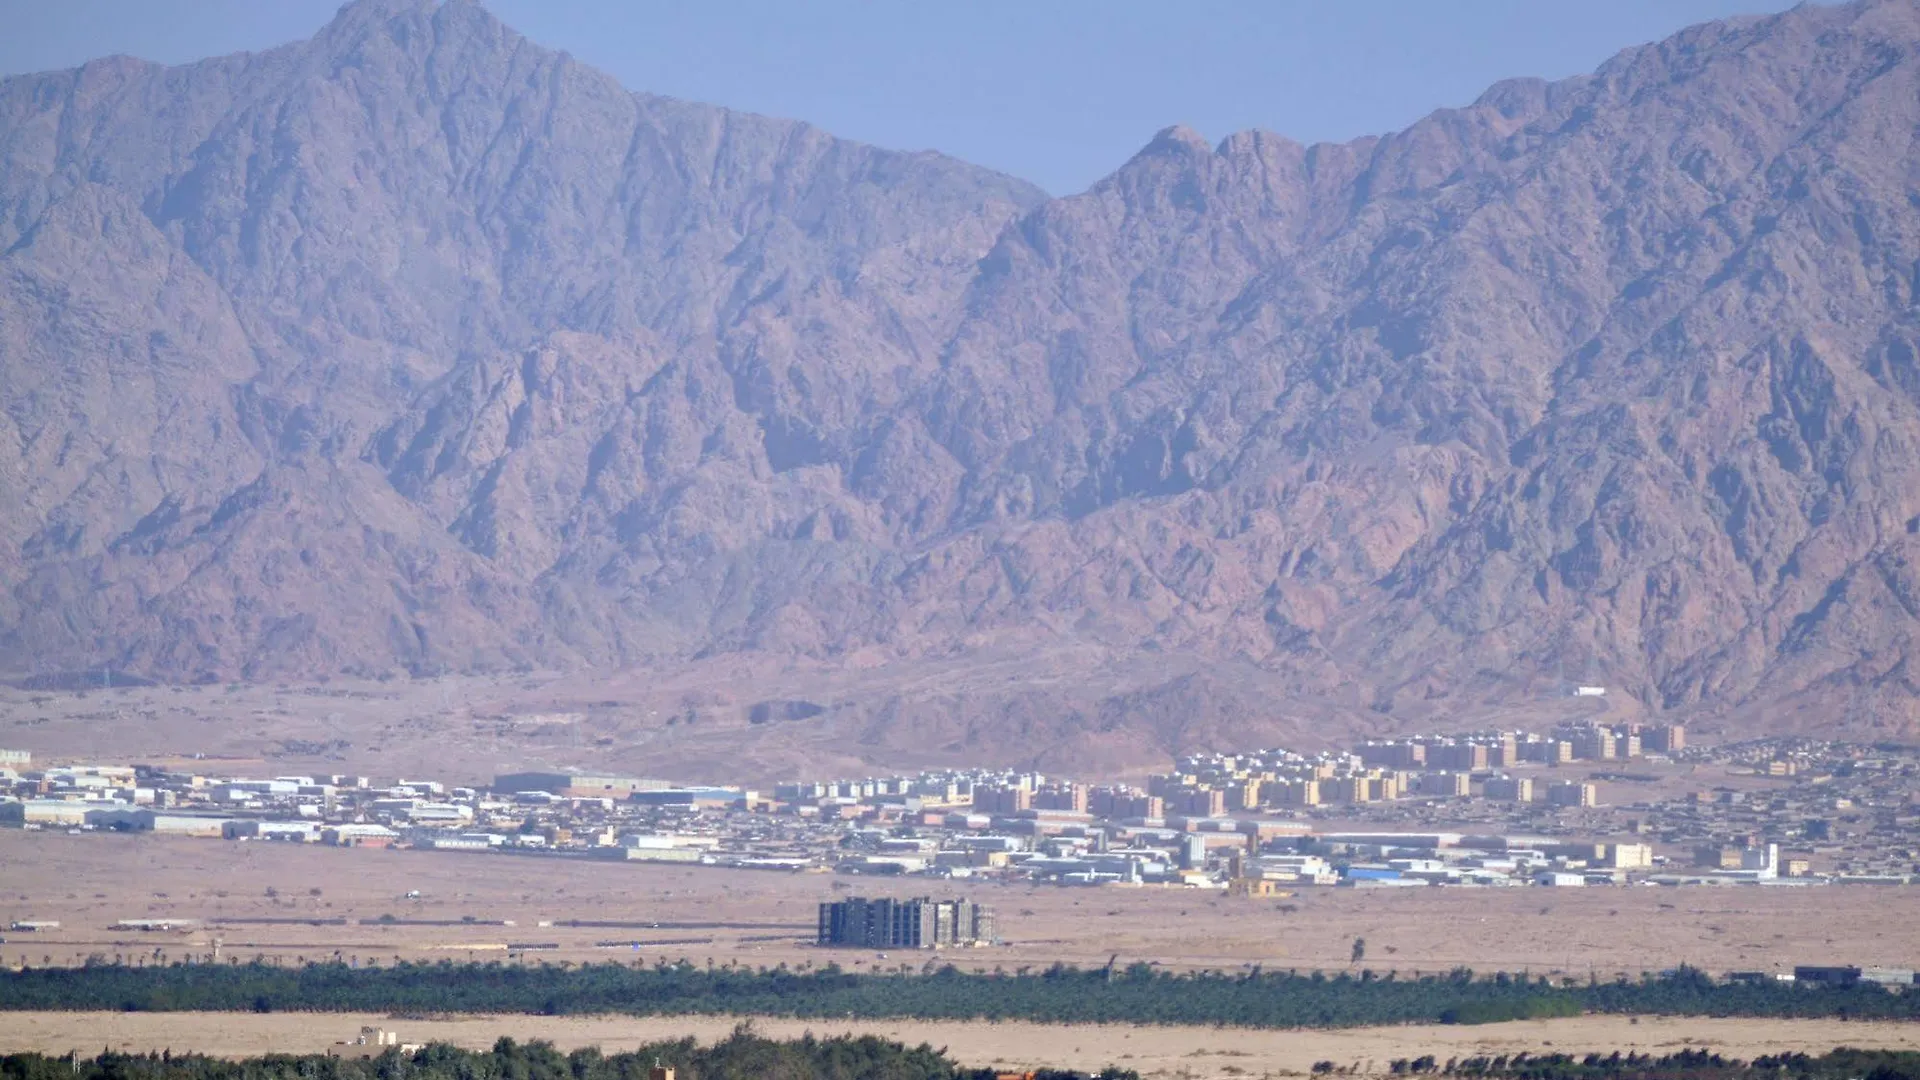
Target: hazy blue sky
[{"x": 1057, "y": 91}]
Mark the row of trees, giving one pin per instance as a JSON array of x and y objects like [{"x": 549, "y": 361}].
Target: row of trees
[
  {"x": 1840, "y": 1064},
  {"x": 743, "y": 1056},
  {"x": 747, "y": 1056},
  {"x": 1137, "y": 994}
]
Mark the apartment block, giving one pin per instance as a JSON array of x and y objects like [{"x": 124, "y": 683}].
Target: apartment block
[
  {"x": 1452, "y": 785},
  {"x": 1503, "y": 752},
  {"x": 1125, "y": 805},
  {"x": 1002, "y": 800},
  {"x": 1595, "y": 744},
  {"x": 1572, "y": 793},
  {"x": 1664, "y": 738},
  {"x": 1399, "y": 754},
  {"x": 1293, "y": 793},
  {"x": 1202, "y": 802},
  {"x": 920, "y": 923},
  {"x": 1169, "y": 785},
  {"x": 1245, "y": 795},
  {"x": 1350, "y": 789},
  {"x": 1464, "y": 756},
  {"x": 1071, "y": 797},
  {"x": 1553, "y": 751},
  {"x": 1510, "y": 789}
]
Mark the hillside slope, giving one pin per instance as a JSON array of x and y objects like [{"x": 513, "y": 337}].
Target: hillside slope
[{"x": 415, "y": 347}]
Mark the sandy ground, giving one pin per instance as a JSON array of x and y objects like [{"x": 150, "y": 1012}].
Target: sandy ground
[
  {"x": 233, "y": 889},
  {"x": 1160, "y": 1052},
  {"x": 690, "y": 721}
]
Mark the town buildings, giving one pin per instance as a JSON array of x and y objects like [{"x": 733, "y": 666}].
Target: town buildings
[{"x": 1468, "y": 810}]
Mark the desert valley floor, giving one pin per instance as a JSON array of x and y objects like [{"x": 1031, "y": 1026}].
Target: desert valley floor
[{"x": 265, "y": 898}]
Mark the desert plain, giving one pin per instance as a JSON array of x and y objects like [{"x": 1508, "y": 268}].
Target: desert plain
[{"x": 292, "y": 902}]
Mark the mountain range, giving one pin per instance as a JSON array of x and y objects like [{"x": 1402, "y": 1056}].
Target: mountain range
[{"x": 417, "y": 348}]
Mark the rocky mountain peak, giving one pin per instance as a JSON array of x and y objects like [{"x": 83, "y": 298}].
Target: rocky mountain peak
[
  {"x": 407, "y": 27},
  {"x": 1178, "y": 139}
]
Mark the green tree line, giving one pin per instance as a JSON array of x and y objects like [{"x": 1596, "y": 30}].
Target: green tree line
[
  {"x": 747, "y": 1056},
  {"x": 1839, "y": 1064},
  {"x": 1137, "y": 994},
  {"x": 742, "y": 1056}
]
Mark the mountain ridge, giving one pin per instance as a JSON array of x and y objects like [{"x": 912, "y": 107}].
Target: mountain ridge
[{"x": 416, "y": 347}]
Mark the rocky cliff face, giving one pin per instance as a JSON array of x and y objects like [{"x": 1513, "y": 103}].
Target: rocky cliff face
[
  {"x": 417, "y": 347},
  {"x": 375, "y": 350}
]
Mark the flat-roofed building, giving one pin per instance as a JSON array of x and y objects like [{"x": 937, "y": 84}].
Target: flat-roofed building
[
  {"x": 358, "y": 835},
  {"x": 1629, "y": 856},
  {"x": 1595, "y": 744},
  {"x": 1069, "y": 797},
  {"x": 996, "y": 799},
  {"x": 1572, "y": 793},
  {"x": 426, "y": 811},
  {"x": 1347, "y": 789},
  {"x": 143, "y": 820},
  {"x": 1467, "y": 756},
  {"x": 153, "y": 925},
  {"x": 244, "y": 790},
  {"x": 55, "y": 812},
  {"x": 1821, "y": 975},
  {"x": 577, "y": 785},
  {"x": 1244, "y": 795},
  {"x": 1397, "y": 754},
  {"x": 919, "y": 923},
  {"x": 1383, "y": 788},
  {"x": 1664, "y": 738},
  {"x": 1293, "y": 793},
  {"x": 298, "y": 832},
  {"x": 1452, "y": 785},
  {"x": 1302, "y": 869},
  {"x": 694, "y": 798},
  {"x": 1203, "y": 802},
  {"x": 1126, "y": 805},
  {"x": 1510, "y": 789},
  {"x": 1548, "y": 751},
  {"x": 1503, "y": 751}
]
